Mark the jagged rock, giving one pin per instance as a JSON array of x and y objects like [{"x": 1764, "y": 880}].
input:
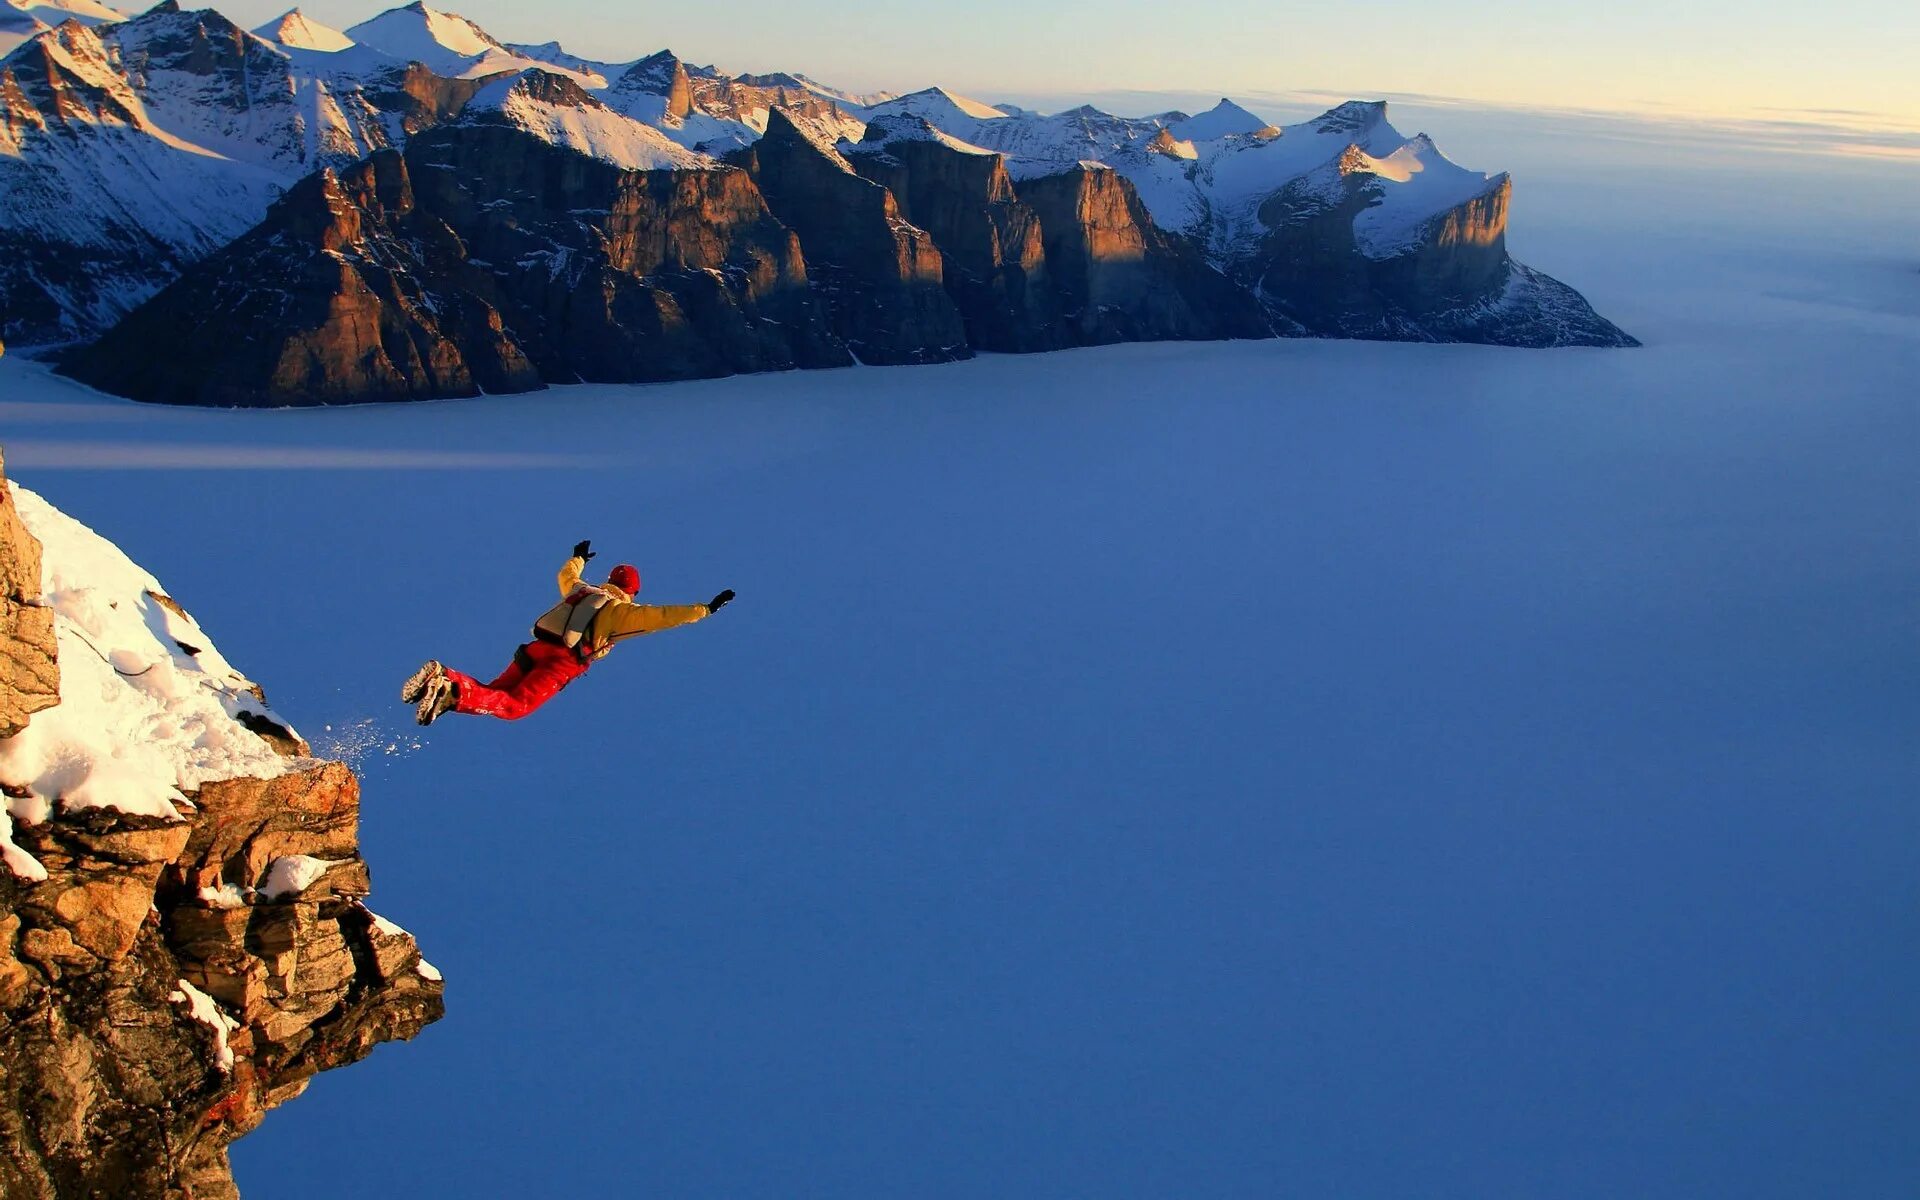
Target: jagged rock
[
  {"x": 484, "y": 258},
  {"x": 165, "y": 980},
  {"x": 29, "y": 664},
  {"x": 1119, "y": 276},
  {"x": 173, "y": 972},
  {"x": 994, "y": 258},
  {"x": 113, "y": 1087},
  {"x": 879, "y": 275}
]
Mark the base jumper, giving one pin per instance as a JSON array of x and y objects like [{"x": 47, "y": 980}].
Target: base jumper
[{"x": 570, "y": 637}]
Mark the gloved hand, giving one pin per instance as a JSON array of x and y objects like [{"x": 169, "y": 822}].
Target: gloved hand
[
  {"x": 583, "y": 550},
  {"x": 718, "y": 602}
]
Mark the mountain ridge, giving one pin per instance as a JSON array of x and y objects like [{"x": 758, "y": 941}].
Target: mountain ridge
[{"x": 131, "y": 150}]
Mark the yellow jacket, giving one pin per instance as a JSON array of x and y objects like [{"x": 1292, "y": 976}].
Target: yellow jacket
[{"x": 621, "y": 618}]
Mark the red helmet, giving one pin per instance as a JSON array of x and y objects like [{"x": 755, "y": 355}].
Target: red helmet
[{"x": 626, "y": 577}]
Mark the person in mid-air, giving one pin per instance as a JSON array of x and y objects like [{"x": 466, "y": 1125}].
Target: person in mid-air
[{"x": 569, "y": 638}]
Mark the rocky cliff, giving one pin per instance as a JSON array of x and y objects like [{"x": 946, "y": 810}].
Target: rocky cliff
[
  {"x": 994, "y": 262},
  {"x": 1332, "y": 263},
  {"x": 1121, "y": 278},
  {"x": 486, "y": 258},
  {"x": 880, "y": 276},
  {"x": 482, "y": 258},
  {"x": 184, "y": 940},
  {"x": 130, "y": 150},
  {"x": 29, "y": 662}
]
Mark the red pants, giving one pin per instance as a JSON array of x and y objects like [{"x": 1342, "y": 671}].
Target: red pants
[{"x": 538, "y": 672}]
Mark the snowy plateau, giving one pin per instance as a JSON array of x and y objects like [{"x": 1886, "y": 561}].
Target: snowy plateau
[{"x": 177, "y": 168}]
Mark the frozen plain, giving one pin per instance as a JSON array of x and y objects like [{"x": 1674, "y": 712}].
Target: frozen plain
[{"x": 1250, "y": 769}]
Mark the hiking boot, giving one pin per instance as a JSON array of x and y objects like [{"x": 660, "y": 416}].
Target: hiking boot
[
  {"x": 416, "y": 684},
  {"x": 436, "y": 699}
]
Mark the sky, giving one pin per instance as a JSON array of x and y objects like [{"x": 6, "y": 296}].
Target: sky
[{"x": 1854, "y": 59}]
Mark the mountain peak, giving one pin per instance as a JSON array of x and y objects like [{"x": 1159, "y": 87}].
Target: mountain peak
[
  {"x": 1355, "y": 116},
  {"x": 660, "y": 74},
  {"x": 1224, "y": 119},
  {"x": 937, "y": 103},
  {"x": 426, "y": 35},
  {"x": 294, "y": 30}
]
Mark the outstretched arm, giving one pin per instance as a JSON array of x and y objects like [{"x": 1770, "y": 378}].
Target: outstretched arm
[
  {"x": 632, "y": 620},
  {"x": 570, "y": 574}
]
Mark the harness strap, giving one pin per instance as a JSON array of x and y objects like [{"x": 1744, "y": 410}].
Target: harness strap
[{"x": 570, "y": 622}]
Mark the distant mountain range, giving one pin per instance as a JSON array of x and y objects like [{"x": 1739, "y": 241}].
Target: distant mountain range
[{"x": 412, "y": 208}]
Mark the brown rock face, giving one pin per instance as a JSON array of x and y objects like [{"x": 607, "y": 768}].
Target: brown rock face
[
  {"x": 1312, "y": 270},
  {"x": 880, "y": 277},
  {"x": 29, "y": 659},
  {"x": 113, "y": 1087},
  {"x": 482, "y": 259},
  {"x": 312, "y": 311},
  {"x": 153, "y": 1006},
  {"x": 620, "y": 276},
  {"x": 994, "y": 257},
  {"x": 423, "y": 99},
  {"x": 1119, "y": 277}
]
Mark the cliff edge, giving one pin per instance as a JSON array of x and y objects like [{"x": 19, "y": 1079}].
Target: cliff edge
[{"x": 184, "y": 940}]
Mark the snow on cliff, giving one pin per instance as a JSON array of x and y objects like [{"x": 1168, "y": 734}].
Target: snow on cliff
[
  {"x": 1415, "y": 183},
  {"x": 148, "y": 707},
  {"x": 580, "y": 122}
]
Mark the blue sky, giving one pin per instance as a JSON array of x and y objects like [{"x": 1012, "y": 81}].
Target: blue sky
[{"x": 1709, "y": 55}]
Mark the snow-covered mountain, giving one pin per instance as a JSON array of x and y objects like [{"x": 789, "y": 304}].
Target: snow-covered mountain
[
  {"x": 128, "y": 149},
  {"x": 131, "y": 148},
  {"x": 23, "y": 19},
  {"x": 450, "y": 45},
  {"x": 294, "y": 30}
]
